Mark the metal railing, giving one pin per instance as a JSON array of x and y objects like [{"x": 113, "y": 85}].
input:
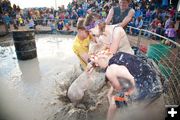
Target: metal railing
[
  {"x": 166, "y": 54},
  {"x": 49, "y": 26},
  {"x": 48, "y": 22}
]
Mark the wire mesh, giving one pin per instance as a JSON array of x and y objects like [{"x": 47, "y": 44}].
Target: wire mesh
[{"x": 166, "y": 54}]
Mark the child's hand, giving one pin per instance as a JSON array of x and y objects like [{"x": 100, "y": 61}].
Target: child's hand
[
  {"x": 89, "y": 69},
  {"x": 89, "y": 66}
]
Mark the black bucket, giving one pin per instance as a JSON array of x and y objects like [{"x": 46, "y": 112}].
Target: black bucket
[{"x": 25, "y": 45}]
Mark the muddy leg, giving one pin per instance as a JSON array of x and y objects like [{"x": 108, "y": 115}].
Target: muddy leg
[{"x": 111, "y": 110}]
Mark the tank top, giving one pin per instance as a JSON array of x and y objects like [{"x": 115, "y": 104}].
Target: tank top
[{"x": 118, "y": 15}]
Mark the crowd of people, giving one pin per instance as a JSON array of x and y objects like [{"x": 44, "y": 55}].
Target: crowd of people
[{"x": 152, "y": 15}]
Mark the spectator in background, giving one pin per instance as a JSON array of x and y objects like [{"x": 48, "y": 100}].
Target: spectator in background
[
  {"x": 168, "y": 22},
  {"x": 172, "y": 11},
  {"x": 67, "y": 27},
  {"x": 121, "y": 15},
  {"x": 152, "y": 5},
  {"x": 154, "y": 24},
  {"x": 165, "y": 4},
  {"x": 31, "y": 24},
  {"x": 164, "y": 15},
  {"x": 138, "y": 12},
  {"x": 60, "y": 25},
  {"x": 148, "y": 15},
  {"x": 74, "y": 17},
  {"x": 21, "y": 21},
  {"x": 159, "y": 30},
  {"x": 138, "y": 24},
  {"x": 155, "y": 13},
  {"x": 171, "y": 33},
  {"x": 80, "y": 12},
  {"x": 85, "y": 6},
  {"x": 62, "y": 15},
  {"x": 103, "y": 13},
  {"x": 66, "y": 20},
  {"x": 51, "y": 16},
  {"x": 69, "y": 6},
  {"x": 7, "y": 20},
  {"x": 53, "y": 26}
]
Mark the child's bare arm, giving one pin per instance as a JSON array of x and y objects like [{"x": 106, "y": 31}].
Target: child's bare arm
[
  {"x": 84, "y": 56},
  {"x": 122, "y": 72}
]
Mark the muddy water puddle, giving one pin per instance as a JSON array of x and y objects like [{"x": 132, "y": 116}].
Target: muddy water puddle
[{"x": 28, "y": 88}]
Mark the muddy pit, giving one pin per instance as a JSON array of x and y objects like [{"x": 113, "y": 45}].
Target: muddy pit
[{"x": 36, "y": 89}]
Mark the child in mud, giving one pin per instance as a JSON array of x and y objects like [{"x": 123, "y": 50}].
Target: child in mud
[
  {"x": 81, "y": 43},
  {"x": 126, "y": 73}
]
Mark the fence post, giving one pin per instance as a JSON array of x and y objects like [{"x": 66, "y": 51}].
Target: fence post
[{"x": 139, "y": 38}]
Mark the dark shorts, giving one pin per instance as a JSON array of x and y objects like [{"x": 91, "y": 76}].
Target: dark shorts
[
  {"x": 120, "y": 100},
  {"x": 121, "y": 104}
]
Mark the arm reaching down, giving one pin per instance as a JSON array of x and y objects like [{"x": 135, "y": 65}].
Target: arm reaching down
[
  {"x": 127, "y": 19},
  {"x": 114, "y": 71}
]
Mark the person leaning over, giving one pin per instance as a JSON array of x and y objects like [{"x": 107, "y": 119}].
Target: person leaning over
[
  {"x": 127, "y": 75},
  {"x": 121, "y": 15},
  {"x": 81, "y": 43}
]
